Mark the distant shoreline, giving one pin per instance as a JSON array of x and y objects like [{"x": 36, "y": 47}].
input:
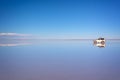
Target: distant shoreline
[{"x": 25, "y": 39}]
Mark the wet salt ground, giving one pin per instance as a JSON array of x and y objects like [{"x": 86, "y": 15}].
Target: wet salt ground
[{"x": 62, "y": 60}]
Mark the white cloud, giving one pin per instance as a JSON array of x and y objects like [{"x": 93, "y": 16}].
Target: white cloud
[{"x": 13, "y": 34}]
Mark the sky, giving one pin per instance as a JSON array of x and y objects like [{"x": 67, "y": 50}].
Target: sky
[{"x": 61, "y": 18}]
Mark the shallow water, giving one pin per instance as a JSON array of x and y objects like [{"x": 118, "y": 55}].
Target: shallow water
[{"x": 60, "y": 60}]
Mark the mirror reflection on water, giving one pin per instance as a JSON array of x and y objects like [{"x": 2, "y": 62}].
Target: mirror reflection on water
[{"x": 60, "y": 60}]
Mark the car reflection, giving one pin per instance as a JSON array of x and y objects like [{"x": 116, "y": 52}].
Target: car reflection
[{"x": 99, "y": 44}]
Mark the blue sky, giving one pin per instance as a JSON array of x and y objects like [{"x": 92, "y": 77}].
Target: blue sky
[{"x": 61, "y": 18}]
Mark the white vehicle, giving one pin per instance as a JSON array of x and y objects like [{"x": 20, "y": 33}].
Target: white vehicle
[{"x": 100, "y": 40}]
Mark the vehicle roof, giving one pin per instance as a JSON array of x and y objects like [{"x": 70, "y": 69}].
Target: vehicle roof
[{"x": 101, "y": 38}]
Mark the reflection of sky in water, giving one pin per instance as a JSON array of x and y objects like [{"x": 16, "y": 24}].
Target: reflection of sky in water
[{"x": 60, "y": 60}]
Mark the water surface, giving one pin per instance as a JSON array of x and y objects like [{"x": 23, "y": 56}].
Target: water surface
[{"x": 60, "y": 60}]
